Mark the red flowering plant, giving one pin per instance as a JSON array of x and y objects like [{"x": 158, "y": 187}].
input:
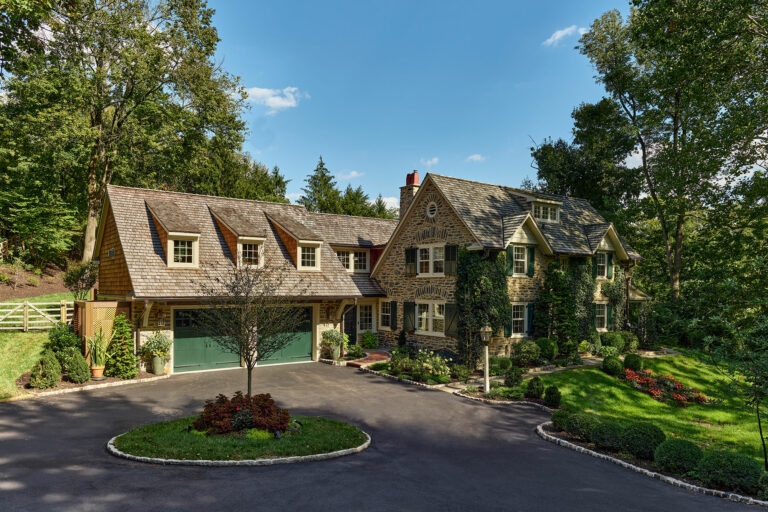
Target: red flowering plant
[
  {"x": 224, "y": 415},
  {"x": 664, "y": 387}
]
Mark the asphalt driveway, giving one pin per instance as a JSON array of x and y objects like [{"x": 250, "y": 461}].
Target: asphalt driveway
[{"x": 430, "y": 451}]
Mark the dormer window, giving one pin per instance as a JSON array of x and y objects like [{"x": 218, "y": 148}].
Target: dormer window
[
  {"x": 183, "y": 250},
  {"x": 250, "y": 252},
  {"x": 309, "y": 257},
  {"x": 546, "y": 213},
  {"x": 354, "y": 261}
]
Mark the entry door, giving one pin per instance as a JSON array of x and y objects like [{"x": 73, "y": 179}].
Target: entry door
[{"x": 350, "y": 324}]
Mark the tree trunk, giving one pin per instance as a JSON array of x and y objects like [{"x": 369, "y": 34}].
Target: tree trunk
[
  {"x": 762, "y": 437},
  {"x": 676, "y": 258},
  {"x": 250, "y": 379}
]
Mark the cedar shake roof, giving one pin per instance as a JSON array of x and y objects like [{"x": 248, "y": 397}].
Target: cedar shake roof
[
  {"x": 490, "y": 212},
  {"x": 294, "y": 226},
  {"x": 344, "y": 230},
  {"x": 241, "y": 221},
  {"x": 146, "y": 262},
  {"x": 171, "y": 217}
]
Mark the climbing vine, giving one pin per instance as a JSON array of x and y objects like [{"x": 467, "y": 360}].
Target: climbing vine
[
  {"x": 555, "y": 315},
  {"x": 583, "y": 287},
  {"x": 616, "y": 292}
]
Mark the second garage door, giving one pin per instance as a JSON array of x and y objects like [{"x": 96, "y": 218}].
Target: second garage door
[{"x": 300, "y": 349}]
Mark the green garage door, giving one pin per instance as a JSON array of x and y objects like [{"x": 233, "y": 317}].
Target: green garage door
[
  {"x": 192, "y": 351},
  {"x": 300, "y": 349}
]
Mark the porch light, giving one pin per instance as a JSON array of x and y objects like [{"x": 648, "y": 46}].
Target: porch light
[{"x": 485, "y": 334}]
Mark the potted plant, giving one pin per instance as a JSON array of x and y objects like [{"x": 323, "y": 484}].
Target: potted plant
[
  {"x": 332, "y": 342},
  {"x": 156, "y": 351},
  {"x": 97, "y": 351}
]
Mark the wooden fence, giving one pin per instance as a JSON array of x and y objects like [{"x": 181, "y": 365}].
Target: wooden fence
[{"x": 25, "y": 316}]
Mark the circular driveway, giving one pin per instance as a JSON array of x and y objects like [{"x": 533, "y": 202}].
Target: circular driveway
[{"x": 430, "y": 451}]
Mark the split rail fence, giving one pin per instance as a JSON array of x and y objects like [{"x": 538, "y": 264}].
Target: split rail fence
[{"x": 26, "y": 316}]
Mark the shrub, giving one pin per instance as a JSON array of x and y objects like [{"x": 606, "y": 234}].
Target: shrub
[
  {"x": 402, "y": 340},
  {"x": 641, "y": 439},
  {"x": 609, "y": 352},
  {"x": 633, "y": 362},
  {"x": 547, "y": 348},
  {"x": 46, "y": 373},
  {"x": 559, "y": 419},
  {"x": 493, "y": 366},
  {"x": 242, "y": 419},
  {"x": 612, "y": 366},
  {"x": 535, "y": 388},
  {"x": 377, "y": 367},
  {"x": 584, "y": 347},
  {"x": 613, "y": 339},
  {"x": 575, "y": 359},
  {"x": 332, "y": 338},
  {"x": 513, "y": 377},
  {"x": 33, "y": 281},
  {"x": 730, "y": 472},
  {"x": 38, "y": 272},
  {"x": 370, "y": 340},
  {"x": 4, "y": 279},
  {"x": 63, "y": 342},
  {"x": 400, "y": 363},
  {"x": 504, "y": 392},
  {"x": 631, "y": 342},
  {"x": 525, "y": 352},
  {"x": 217, "y": 416},
  {"x": 355, "y": 352},
  {"x": 77, "y": 369},
  {"x": 677, "y": 456},
  {"x": 80, "y": 278},
  {"x": 428, "y": 363},
  {"x": 461, "y": 372},
  {"x": 580, "y": 425},
  {"x": 552, "y": 397},
  {"x": 762, "y": 492},
  {"x": 607, "y": 435},
  {"x": 595, "y": 342},
  {"x": 505, "y": 363},
  {"x": 121, "y": 361},
  {"x": 440, "y": 379}
]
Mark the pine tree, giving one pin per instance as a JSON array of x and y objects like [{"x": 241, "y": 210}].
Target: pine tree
[
  {"x": 121, "y": 361},
  {"x": 321, "y": 194}
]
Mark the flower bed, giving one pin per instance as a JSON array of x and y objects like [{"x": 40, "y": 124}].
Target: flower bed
[{"x": 664, "y": 388}]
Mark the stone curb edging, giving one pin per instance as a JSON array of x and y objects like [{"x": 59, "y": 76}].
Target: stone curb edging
[
  {"x": 503, "y": 402},
  {"x": 652, "y": 474},
  {"x": 88, "y": 388},
  {"x": 332, "y": 362},
  {"x": 247, "y": 462},
  {"x": 436, "y": 387}
]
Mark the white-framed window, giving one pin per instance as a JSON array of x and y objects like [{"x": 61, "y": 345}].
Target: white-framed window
[
  {"x": 520, "y": 255},
  {"x": 431, "y": 260},
  {"x": 354, "y": 261},
  {"x": 250, "y": 252},
  {"x": 344, "y": 259},
  {"x": 309, "y": 257},
  {"x": 602, "y": 264},
  {"x": 430, "y": 318},
  {"x": 546, "y": 213},
  {"x": 601, "y": 316},
  {"x": 365, "y": 317},
  {"x": 385, "y": 314},
  {"x": 183, "y": 251},
  {"x": 361, "y": 261},
  {"x": 519, "y": 320}
]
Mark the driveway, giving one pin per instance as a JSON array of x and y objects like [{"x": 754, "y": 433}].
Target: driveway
[{"x": 430, "y": 451}]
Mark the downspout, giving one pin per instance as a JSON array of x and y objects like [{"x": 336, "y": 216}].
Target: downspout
[{"x": 344, "y": 311}]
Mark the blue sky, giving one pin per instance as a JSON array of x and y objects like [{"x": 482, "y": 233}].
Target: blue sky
[{"x": 379, "y": 89}]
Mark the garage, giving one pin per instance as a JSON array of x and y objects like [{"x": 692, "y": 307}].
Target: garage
[{"x": 300, "y": 349}]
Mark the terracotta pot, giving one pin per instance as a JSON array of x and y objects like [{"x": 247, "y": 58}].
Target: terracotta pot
[{"x": 97, "y": 372}]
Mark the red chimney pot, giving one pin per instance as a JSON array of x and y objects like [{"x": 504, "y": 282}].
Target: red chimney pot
[{"x": 412, "y": 178}]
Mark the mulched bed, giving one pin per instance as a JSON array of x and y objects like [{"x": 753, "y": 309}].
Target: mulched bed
[
  {"x": 23, "y": 382},
  {"x": 49, "y": 283},
  {"x": 480, "y": 394}
]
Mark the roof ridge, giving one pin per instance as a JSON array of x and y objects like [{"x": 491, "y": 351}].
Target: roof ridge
[
  {"x": 352, "y": 216},
  {"x": 207, "y": 195},
  {"x": 507, "y": 187}
]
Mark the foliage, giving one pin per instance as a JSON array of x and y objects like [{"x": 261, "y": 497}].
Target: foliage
[
  {"x": 481, "y": 298},
  {"x": 33, "y": 281},
  {"x": 535, "y": 388},
  {"x": 425, "y": 365},
  {"x": 762, "y": 493},
  {"x": 80, "y": 278},
  {"x": 498, "y": 365},
  {"x": 460, "y": 372},
  {"x": 583, "y": 287},
  {"x": 641, "y": 439},
  {"x": 606, "y": 435},
  {"x": 555, "y": 315},
  {"x": 730, "y": 472},
  {"x": 595, "y": 342},
  {"x": 377, "y": 367},
  {"x": 157, "y": 344},
  {"x": 584, "y": 346},
  {"x": 218, "y": 415},
  {"x": 76, "y": 368},
  {"x": 613, "y": 339},
  {"x": 355, "y": 352},
  {"x": 677, "y": 456},
  {"x": 333, "y": 338},
  {"x": 525, "y": 353},
  {"x": 503, "y": 393},
  {"x": 552, "y": 397},
  {"x": 609, "y": 352},
  {"x": 559, "y": 419},
  {"x": 370, "y": 340},
  {"x": 612, "y": 366},
  {"x": 633, "y": 362},
  {"x": 98, "y": 344},
  {"x": 547, "y": 348},
  {"x": 664, "y": 387},
  {"x": 513, "y": 377},
  {"x": 46, "y": 373},
  {"x": 580, "y": 425},
  {"x": 121, "y": 360},
  {"x": 63, "y": 341},
  {"x": 616, "y": 291}
]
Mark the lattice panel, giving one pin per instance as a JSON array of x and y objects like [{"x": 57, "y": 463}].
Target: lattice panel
[{"x": 104, "y": 319}]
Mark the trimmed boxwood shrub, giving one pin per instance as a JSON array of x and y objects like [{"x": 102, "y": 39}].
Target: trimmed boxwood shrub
[
  {"x": 730, "y": 471},
  {"x": 613, "y": 339},
  {"x": 641, "y": 439},
  {"x": 677, "y": 456},
  {"x": 633, "y": 362},
  {"x": 580, "y": 425},
  {"x": 612, "y": 366},
  {"x": 513, "y": 377},
  {"x": 77, "y": 369},
  {"x": 607, "y": 435},
  {"x": 505, "y": 363},
  {"x": 535, "y": 388},
  {"x": 595, "y": 343},
  {"x": 547, "y": 348},
  {"x": 552, "y": 397},
  {"x": 525, "y": 352},
  {"x": 63, "y": 342},
  {"x": 631, "y": 342},
  {"x": 47, "y": 372},
  {"x": 559, "y": 418}
]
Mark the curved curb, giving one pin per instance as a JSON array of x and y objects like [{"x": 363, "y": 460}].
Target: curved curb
[
  {"x": 247, "y": 462},
  {"x": 435, "y": 387},
  {"x": 652, "y": 474},
  {"x": 89, "y": 387},
  {"x": 504, "y": 402}
]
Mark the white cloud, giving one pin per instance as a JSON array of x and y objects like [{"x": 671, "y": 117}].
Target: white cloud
[
  {"x": 351, "y": 175},
  {"x": 293, "y": 196},
  {"x": 558, "y": 35},
  {"x": 634, "y": 159},
  {"x": 477, "y": 157},
  {"x": 391, "y": 202},
  {"x": 276, "y": 99},
  {"x": 431, "y": 162}
]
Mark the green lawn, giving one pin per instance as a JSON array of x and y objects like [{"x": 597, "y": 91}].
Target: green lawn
[
  {"x": 53, "y": 297},
  {"x": 723, "y": 426},
  {"x": 171, "y": 439},
  {"x": 19, "y": 351}
]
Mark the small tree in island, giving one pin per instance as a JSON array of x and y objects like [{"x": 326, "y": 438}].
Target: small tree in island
[{"x": 252, "y": 311}]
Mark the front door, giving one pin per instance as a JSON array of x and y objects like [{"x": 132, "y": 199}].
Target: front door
[{"x": 350, "y": 324}]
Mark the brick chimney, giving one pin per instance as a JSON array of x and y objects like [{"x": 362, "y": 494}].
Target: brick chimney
[{"x": 408, "y": 191}]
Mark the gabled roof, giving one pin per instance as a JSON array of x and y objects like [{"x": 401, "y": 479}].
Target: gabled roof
[
  {"x": 151, "y": 277},
  {"x": 294, "y": 227},
  {"x": 242, "y": 222},
  {"x": 170, "y": 216},
  {"x": 344, "y": 230}
]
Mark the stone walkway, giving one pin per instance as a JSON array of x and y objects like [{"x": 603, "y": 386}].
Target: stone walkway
[{"x": 373, "y": 356}]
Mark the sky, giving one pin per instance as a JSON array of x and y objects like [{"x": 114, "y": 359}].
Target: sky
[{"x": 379, "y": 89}]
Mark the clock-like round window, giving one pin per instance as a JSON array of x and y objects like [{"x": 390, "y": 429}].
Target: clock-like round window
[{"x": 432, "y": 210}]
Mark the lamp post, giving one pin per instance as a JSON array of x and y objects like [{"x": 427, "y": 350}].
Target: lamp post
[{"x": 485, "y": 337}]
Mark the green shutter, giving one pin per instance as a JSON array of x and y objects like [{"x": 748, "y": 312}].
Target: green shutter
[
  {"x": 510, "y": 260},
  {"x": 410, "y": 261},
  {"x": 594, "y": 316},
  {"x": 594, "y": 266},
  {"x": 393, "y": 315},
  {"x": 409, "y": 316},
  {"x": 508, "y": 325},
  {"x": 451, "y": 259},
  {"x": 452, "y": 320},
  {"x": 609, "y": 262},
  {"x": 609, "y": 319},
  {"x": 530, "y": 307},
  {"x": 531, "y": 261}
]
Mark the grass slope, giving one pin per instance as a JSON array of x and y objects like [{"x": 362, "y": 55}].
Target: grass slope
[
  {"x": 53, "y": 297},
  {"x": 19, "y": 351},
  {"x": 726, "y": 425},
  {"x": 171, "y": 440}
]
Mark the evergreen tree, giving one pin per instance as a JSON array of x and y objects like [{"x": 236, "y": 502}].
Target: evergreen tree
[
  {"x": 555, "y": 315},
  {"x": 380, "y": 209},
  {"x": 121, "y": 361},
  {"x": 321, "y": 194},
  {"x": 355, "y": 202}
]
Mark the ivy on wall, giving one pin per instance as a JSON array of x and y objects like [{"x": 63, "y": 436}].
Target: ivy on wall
[
  {"x": 583, "y": 287},
  {"x": 555, "y": 315},
  {"x": 616, "y": 292}
]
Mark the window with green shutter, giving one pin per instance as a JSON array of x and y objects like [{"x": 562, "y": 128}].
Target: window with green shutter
[
  {"x": 393, "y": 314},
  {"x": 409, "y": 316},
  {"x": 531, "y": 261},
  {"x": 609, "y": 265},
  {"x": 451, "y": 259},
  {"x": 510, "y": 260},
  {"x": 410, "y": 261},
  {"x": 452, "y": 320}
]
